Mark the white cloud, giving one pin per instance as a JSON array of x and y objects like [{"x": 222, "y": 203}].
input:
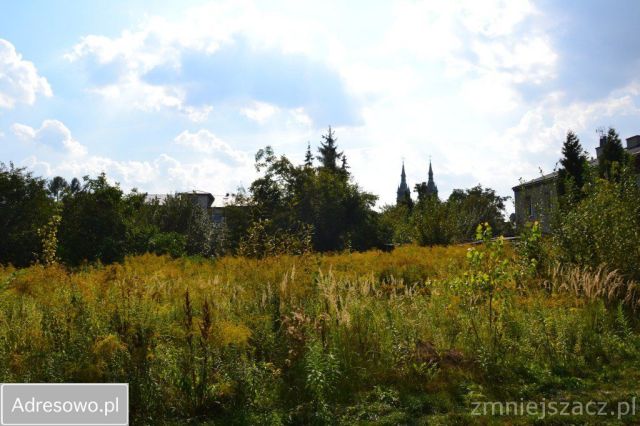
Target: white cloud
[
  {"x": 434, "y": 77},
  {"x": 301, "y": 117},
  {"x": 52, "y": 151},
  {"x": 159, "y": 42},
  {"x": 469, "y": 39},
  {"x": 164, "y": 174},
  {"x": 260, "y": 111},
  {"x": 134, "y": 92},
  {"x": 293, "y": 120},
  {"x": 135, "y": 53},
  {"x": 528, "y": 60},
  {"x": 543, "y": 128},
  {"x": 203, "y": 141},
  {"x": 52, "y": 134},
  {"x": 493, "y": 18},
  {"x": 19, "y": 79},
  {"x": 489, "y": 94}
]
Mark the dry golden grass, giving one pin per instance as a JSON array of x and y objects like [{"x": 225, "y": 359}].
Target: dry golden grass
[
  {"x": 594, "y": 284},
  {"x": 289, "y": 337}
]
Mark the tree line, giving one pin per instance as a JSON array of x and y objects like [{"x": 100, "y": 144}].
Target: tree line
[
  {"x": 289, "y": 208},
  {"x": 92, "y": 220},
  {"x": 430, "y": 221}
]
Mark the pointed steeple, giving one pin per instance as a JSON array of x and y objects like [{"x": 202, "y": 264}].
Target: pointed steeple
[
  {"x": 403, "y": 192},
  {"x": 432, "y": 189}
]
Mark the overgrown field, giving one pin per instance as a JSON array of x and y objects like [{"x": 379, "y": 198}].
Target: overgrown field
[{"x": 416, "y": 336}]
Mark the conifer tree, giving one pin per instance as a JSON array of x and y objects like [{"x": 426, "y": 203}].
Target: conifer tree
[
  {"x": 308, "y": 156},
  {"x": 344, "y": 168},
  {"x": 612, "y": 156},
  {"x": 329, "y": 154},
  {"x": 574, "y": 163}
]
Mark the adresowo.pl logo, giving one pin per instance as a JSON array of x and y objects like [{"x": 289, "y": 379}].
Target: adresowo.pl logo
[{"x": 54, "y": 404}]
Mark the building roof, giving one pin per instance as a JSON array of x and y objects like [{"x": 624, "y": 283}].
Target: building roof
[
  {"x": 161, "y": 198},
  {"x": 537, "y": 181},
  {"x": 633, "y": 149}
]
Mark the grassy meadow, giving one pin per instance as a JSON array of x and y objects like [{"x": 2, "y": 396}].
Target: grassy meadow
[{"x": 415, "y": 336}]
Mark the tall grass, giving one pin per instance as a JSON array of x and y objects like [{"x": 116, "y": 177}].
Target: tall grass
[
  {"x": 594, "y": 284},
  {"x": 312, "y": 339}
]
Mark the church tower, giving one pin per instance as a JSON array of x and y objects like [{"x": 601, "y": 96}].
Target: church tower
[
  {"x": 432, "y": 189},
  {"x": 403, "y": 193}
]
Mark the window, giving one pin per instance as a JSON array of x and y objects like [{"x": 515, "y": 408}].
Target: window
[{"x": 528, "y": 202}]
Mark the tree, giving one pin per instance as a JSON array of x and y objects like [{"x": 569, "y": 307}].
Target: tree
[
  {"x": 329, "y": 155},
  {"x": 421, "y": 190},
  {"x": 603, "y": 228},
  {"x": 93, "y": 223},
  {"x": 57, "y": 186},
  {"x": 344, "y": 167},
  {"x": 308, "y": 156},
  {"x": 343, "y": 214},
  {"x": 180, "y": 215},
  {"x": 470, "y": 207},
  {"x": 612, "y": 157},
  {"x": 25, "y": 208},
  {"x": 237, "y": 219},
  {"x": 573, "y": 171},
  {"x": 430, "y": 220},
  {"x": 75, "y": 186},
  {"x": 287, "y": 198}
]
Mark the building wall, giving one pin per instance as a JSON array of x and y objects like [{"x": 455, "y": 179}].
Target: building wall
[
  {"x": 201, "y": 200},
  {"x": 537, "y": 199},
  {"x": 536, "y": 202}
]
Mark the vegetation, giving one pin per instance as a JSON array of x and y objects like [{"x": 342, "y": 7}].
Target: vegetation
[
  {"x": 323, "y": 200},
  {"x": 288, "y": 209},
  {"x": 431, "y": 221},
  {"x": 24, "y": 208},
  {"x": 287, "y": 314},
  {"x": 574, "y": 168},
  {"x": 415, "y": 335},
  {"x": 613, "y": 156},
  {"x": 603, "y": 227}
]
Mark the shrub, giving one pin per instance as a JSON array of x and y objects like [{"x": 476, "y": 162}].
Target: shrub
[
  {"x": 318, "y": 338},
  {"x": 264, "y": 240},
  {"x": 93, "y": 224},
  {"x": 604, "y": 227},
  {"x": 24, "y": 209}
]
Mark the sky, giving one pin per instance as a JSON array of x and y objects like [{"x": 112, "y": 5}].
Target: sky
[{"x": 170, "y": 96}]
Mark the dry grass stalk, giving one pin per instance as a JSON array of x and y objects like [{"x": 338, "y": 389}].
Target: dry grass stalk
[{"x": 593, "y": 284}]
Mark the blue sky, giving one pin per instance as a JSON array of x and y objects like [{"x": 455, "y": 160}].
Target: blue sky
[{"x": 167, "y": 96}]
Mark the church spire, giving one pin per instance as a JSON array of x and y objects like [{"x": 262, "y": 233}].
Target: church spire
[
  {"x": 432, "y": 189},
  {"x": 403, "y": 192}
]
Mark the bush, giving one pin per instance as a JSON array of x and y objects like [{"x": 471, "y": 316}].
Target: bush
[
  {"x": 604, "y": 227},
  {"x": 317, "y": 339},
  {"x": 25, "y": 208},
  {"x": 263, "y": 240},
  {"x": 170, "y": 243},
  {"x": 93, "y": 223}
]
